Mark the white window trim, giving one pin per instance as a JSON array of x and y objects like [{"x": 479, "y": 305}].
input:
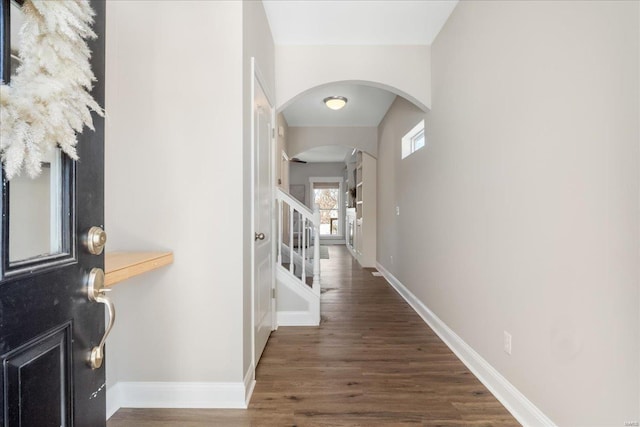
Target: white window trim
[
  {"x": 409, "y": 140},
  {"x": 341, "y": 213}
]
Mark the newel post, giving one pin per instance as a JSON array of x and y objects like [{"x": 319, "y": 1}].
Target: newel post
[{"x": 316, "y": 249}]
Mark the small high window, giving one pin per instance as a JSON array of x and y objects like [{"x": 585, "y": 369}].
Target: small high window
[{"x": 414, "y": 140}]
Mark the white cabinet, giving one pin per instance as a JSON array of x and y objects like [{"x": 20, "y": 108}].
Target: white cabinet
[
  {"x": 364, "y": 241},
  {"x": 350, "y": 231}
]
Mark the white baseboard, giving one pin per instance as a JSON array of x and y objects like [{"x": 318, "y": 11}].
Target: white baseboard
[
  {"x": 180, "y": 395},
  {"x": 249, "y": 384},
  {"x": 114, "y": 402},
  {"x": 296, "y": 318},
  {"x": 516, "y": 403},
  {"x": 352, "y": 251},
  {"x": 329, "y": 242}
]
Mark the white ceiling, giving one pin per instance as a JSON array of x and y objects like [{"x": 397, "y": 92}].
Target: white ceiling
[
  {"x": 326, "y": 154},
  {"x": 357, "y": 22},
  {"x": 366, "y": 106}
]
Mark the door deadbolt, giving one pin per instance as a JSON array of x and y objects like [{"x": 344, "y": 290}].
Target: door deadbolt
[{"x": 96, "y": 239}]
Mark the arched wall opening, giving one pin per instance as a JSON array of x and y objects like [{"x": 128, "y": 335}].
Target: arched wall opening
[
  {"x": 403, "y": 70},
  {"x": 379, "y": 85},
  {"x": 302, "y": 138}
]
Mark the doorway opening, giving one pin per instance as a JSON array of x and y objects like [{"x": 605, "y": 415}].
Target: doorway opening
[
  {"x": 326, "y": 192},
  {"x": 327, "y": 201}
]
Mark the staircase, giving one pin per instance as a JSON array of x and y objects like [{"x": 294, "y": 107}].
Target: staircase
[
  {"x": 288, "y": 257},
  {"x": 297, "y": 262}
]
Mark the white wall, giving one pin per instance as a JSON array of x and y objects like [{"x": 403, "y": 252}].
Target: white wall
[
  {"x": 173, "y": 144},
  {"x": 302, "y": 139},
  {"x": 522, "y": 213},
  {"x": 403, "y": 70}
]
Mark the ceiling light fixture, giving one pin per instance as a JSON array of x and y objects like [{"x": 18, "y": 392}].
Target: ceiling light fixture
[{"x": 335, "y": 102}]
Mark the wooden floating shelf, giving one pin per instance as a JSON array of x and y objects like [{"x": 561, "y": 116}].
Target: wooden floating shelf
[{"x": 120, "y": 266}]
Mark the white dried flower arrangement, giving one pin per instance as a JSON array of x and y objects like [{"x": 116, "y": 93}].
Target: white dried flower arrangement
[{"x": 47, "y": 101}]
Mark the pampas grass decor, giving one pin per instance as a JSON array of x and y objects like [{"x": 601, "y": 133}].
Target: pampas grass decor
[{"x": 47, "y": 101}]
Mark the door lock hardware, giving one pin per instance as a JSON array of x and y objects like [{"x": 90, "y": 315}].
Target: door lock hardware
[
  {"x": 95, "y": 241},
  {"x": 96, "y": 292},
  {"x": 259, "y": 236}
]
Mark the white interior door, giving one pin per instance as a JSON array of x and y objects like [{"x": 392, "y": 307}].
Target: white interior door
[{"x": 262, "y": 213}]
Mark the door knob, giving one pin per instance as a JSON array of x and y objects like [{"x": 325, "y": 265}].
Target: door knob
[
  {"x": 96, "y": 239},
  {"x": 96, "y": 291},
  {"x": 259, "y": 236}
]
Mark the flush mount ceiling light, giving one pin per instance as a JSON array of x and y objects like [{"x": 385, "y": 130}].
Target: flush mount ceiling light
[{"x": 335, "y": 102}]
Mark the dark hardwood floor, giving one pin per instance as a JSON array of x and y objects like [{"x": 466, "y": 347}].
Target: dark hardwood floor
[{"x": 372, "y": 362}]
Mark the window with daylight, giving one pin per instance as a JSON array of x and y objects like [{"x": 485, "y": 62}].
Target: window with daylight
[
  {"x": 327, "y": 196},
  {"x": 414, "y": 140}
]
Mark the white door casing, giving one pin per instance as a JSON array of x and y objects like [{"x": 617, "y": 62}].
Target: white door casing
[{"x": 262, "y": 212}]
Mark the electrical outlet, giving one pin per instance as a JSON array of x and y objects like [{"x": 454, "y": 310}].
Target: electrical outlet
[
  {"x": 391, "y": 258},
  {"x": 507, "y": 343},
  {"x": 397, "y": 210}
]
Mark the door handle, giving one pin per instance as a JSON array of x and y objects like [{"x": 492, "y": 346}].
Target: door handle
[
  {"x": 96, "y": 291},
  {"x": 259, "y": 236}
]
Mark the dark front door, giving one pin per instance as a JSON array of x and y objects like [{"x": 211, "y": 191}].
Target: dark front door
[{"x": 48, "y": 323}]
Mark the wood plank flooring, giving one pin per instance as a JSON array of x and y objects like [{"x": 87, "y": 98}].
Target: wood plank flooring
[{"x": 372, "y": 362}]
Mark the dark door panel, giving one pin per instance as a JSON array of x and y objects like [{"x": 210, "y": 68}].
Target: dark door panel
[
  {"x": 48, "y": 325},
  {"x": 38, "y": 381}
]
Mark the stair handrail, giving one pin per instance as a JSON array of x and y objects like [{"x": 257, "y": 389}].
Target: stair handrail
[
  {"x": 297, "y": 205},
  {"x": 314, "y": 218}
]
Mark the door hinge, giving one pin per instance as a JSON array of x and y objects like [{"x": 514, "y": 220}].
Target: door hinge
[
  {"x": 273, "y": 132},
  {"x": 273, "y": 293}
]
